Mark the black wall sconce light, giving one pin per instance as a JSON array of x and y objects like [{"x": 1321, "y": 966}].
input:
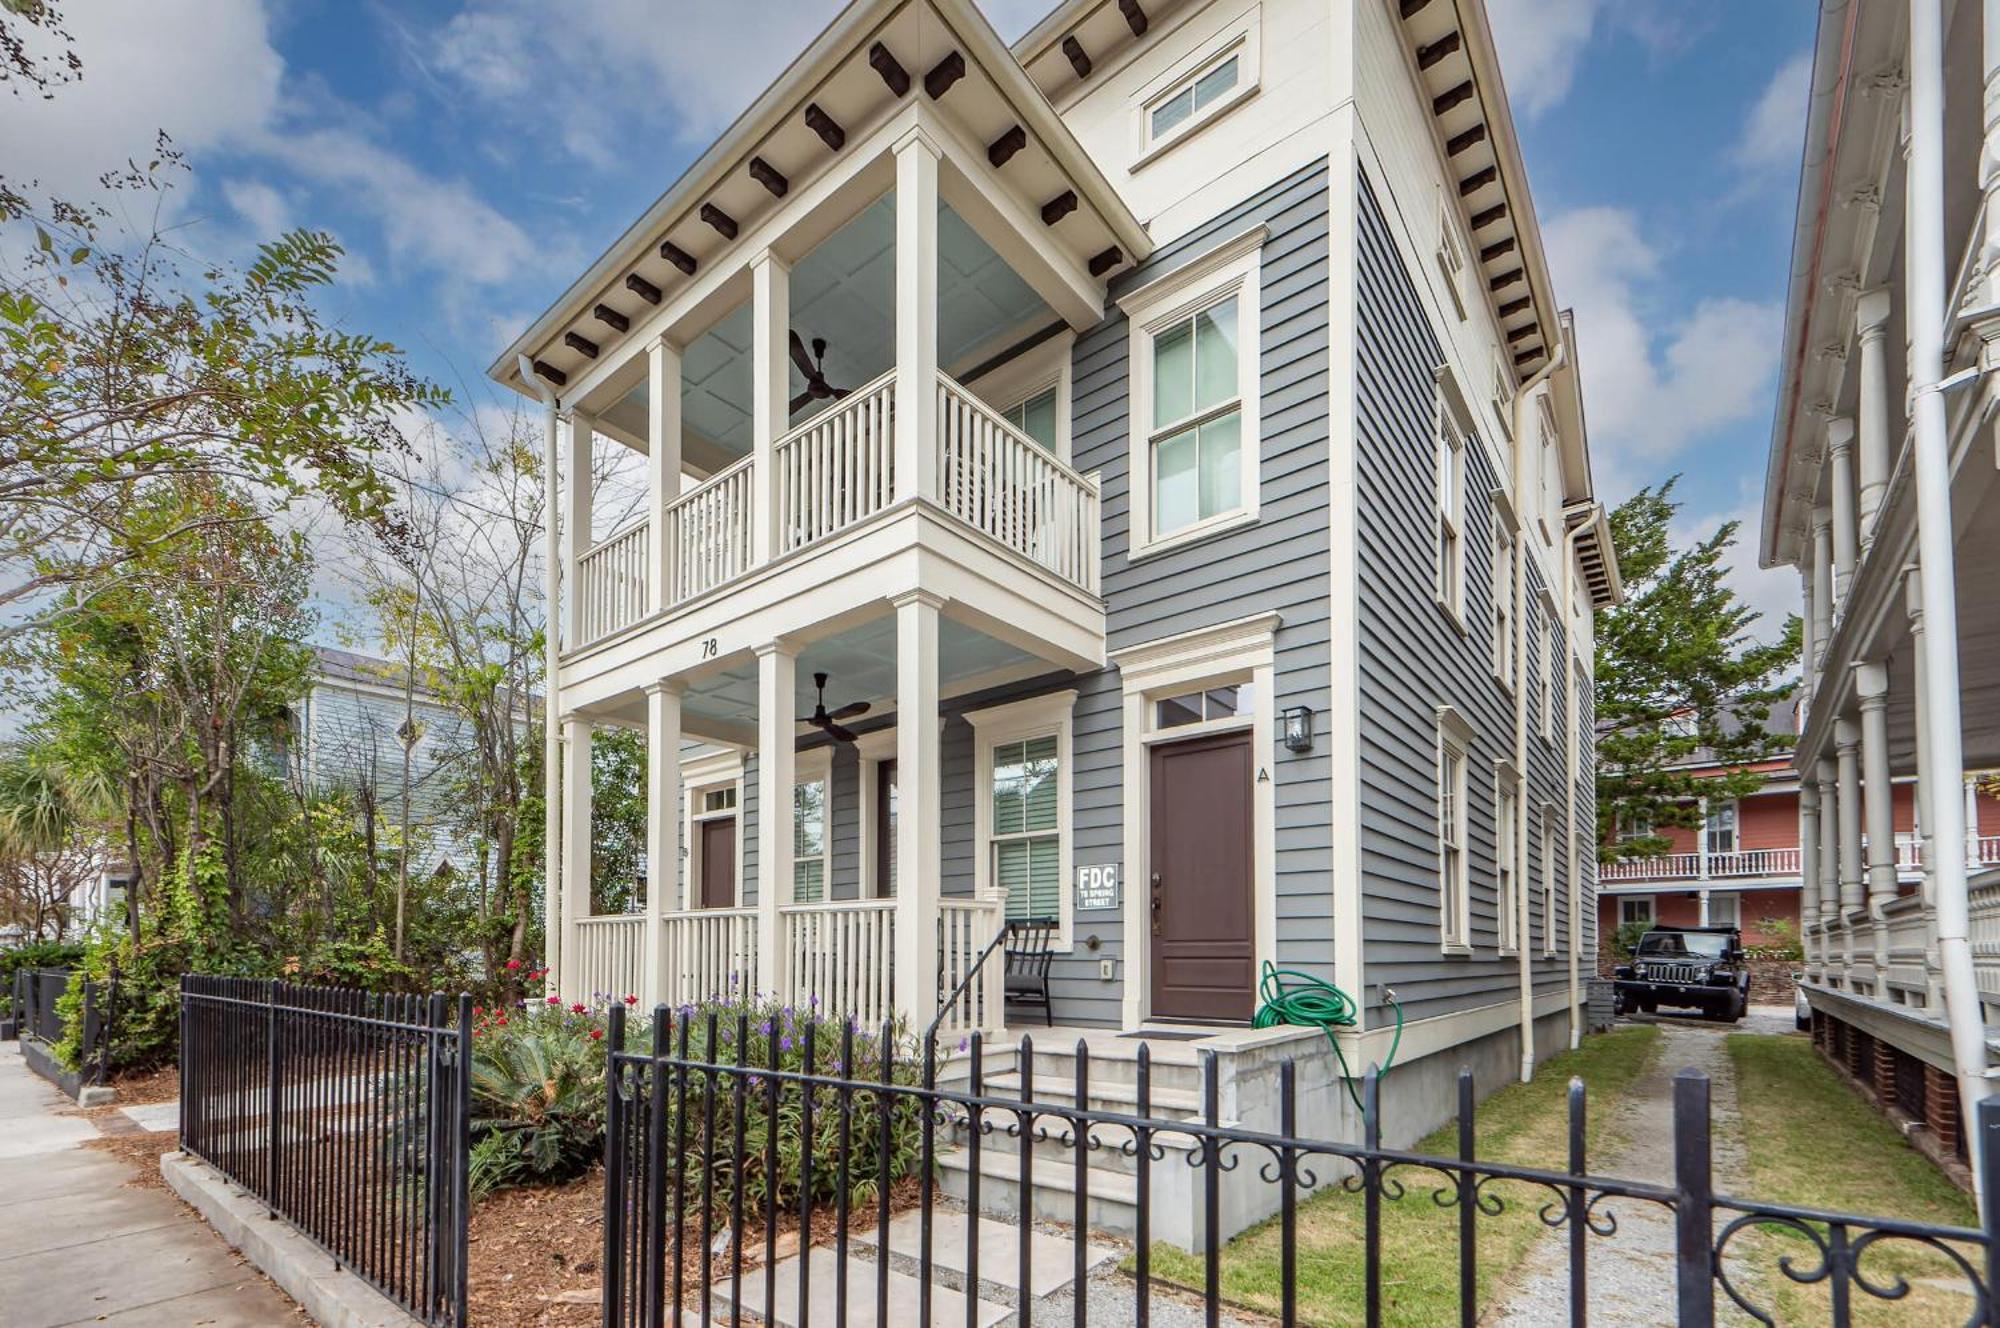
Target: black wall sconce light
[{"x": 1299, "y": 728}]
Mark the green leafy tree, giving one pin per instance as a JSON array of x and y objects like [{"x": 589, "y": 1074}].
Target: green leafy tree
[
  {"x": 119, "y": 373},
  {"x": 617, "y": 818},
  {"x": 1680, "y": 677}
]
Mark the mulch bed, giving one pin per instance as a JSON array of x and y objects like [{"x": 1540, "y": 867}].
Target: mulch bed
[
  {"x": 537, "y": 1252},
  {"x": 148, "y": 1086},
  {"x": 139, "y": 1150}
]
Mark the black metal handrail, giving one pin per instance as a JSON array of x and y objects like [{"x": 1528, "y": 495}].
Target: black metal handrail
[
  {"x": 349, "y": 1114},
  {"x": 964, "y": 984},
  {"x": 684, "y": 1129}
]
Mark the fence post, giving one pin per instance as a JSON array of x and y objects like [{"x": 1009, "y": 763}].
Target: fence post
[
  {"x": 183, "y": 1051},
  {"x": 272, "y": 1086},
  {"x": 461, "y": 1176},
  {"x": 1988, "y": 1153},
  {"x": 86, "y": 1053},
  {"x": 614, "y": 1173},
  {"x": 1694, "y": 1197}
]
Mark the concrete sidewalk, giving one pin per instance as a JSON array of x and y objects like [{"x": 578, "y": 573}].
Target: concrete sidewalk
[{"x": 84, "y": 1247}]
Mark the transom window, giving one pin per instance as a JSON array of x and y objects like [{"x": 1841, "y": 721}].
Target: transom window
[
  {"x": 719, "y": 799},
  {"x": 809, "y": 841},
  {"x": 1189, "y": 100},
  {"x": 1035, "y": 417},
  {"x": 1026, "y": 838},
  {"x": 1197, "y": 420},
  {"x": 1230, "y": 702}
]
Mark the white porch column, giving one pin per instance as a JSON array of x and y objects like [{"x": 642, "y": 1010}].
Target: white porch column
[
  {"x": 1944, "y": 754},
  {"x": 663, "y": 835},
  {"x": 1840, "y": 474},
  {"x": 1913, "y": 601},
  {"x": 1871, "y": 319},
  {"x": 919, "y": 847},
  {"x": 1809, "y": 642},
  {"x": 1822, "y": 600},
  {"x": 916, "y": 320},
  {"x": 1847, "y": 748},
  {"x": 576, "y": 524},
  {"x": 663, "y": 466},
  {"x": 552, "y": 912},
  {"x": 777, "y": 697},
  {"x": 1809, "y": 900},
  {"x": 1871, "y": 681},
  {"x": 575, "y": 847},
  {"x": 771, "y": 396},
  {"x": 1830, "y": 915}
]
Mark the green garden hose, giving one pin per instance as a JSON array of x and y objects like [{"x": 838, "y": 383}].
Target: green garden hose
[{"x": 1315, "y": 1003}]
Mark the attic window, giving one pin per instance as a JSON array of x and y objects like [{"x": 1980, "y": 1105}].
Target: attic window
[
  {"x": 1220, "y": 79},
  {"x": 1451, "y": 255}
]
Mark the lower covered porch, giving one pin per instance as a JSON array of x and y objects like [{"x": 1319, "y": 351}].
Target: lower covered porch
[{"x": 882, "y": 889}]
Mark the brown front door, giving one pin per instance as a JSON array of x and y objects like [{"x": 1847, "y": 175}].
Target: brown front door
[
  {"x": 1200, "y": 889},
  {"x": 718, "y": 863}
]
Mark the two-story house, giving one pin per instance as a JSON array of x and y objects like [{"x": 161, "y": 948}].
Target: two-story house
[
  {"x": 1162, "y": 440},
  {"x": 1881, "y": 492}
]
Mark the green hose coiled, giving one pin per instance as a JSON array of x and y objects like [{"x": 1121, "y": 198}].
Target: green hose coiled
[{"x": 1315, "y": 1003}]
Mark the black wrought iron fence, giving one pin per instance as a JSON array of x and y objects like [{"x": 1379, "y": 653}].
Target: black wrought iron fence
[
  {"x": 348, "y": 1113},
  {"x": 717, "y": 1141},
  {"x": 36, "y": 997}
]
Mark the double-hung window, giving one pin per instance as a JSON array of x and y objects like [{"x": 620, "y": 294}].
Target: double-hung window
[
  {"x": 1721, "y": 828},
  {"x": 1451, "y": 520},
  {"x": 1506, "y": 857},
  {"x": 1454, "y": 741},
  {"x": 1505, "y": 656},
  {"x": 1035, "y": 417},
  {"x": 1021, "y": 820},
  {"x": 1193, "y": 346},
  {"x": 1548, "y": 880},
  {"x": 811, "y": 815}
]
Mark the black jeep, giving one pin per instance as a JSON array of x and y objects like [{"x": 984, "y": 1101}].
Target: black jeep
[{"x": 1702, "y": 968}]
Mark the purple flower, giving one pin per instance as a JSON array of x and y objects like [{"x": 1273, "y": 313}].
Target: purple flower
[{"x": 785, "y": 1043}]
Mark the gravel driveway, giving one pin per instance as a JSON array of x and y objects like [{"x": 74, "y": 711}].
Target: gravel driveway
[{"x": 1631, "y": 1273}]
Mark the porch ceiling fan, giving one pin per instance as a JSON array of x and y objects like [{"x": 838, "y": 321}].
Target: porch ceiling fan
[
  {"x": 829, "y": 722},
  {"x": 813, "y": 367}
]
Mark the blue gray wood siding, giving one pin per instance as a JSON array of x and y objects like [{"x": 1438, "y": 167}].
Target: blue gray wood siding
[{"x": 1412, "y": 659}]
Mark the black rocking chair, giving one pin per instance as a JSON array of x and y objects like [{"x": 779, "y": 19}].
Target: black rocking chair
[{"x": 1031, "y": 946}]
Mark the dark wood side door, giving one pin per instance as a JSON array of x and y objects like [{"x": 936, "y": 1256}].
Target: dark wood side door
[
  {"x": 718, "y": 863},
  {"x": 1202, "y": 934}
]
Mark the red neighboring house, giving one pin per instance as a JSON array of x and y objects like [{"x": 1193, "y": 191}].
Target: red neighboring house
[{"x": 1743, "y": 868}]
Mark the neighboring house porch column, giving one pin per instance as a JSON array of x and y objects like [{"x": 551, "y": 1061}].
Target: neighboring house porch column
[
  {"x": 777, "y": 698},
  {"x": 1871, "y": 681},
  {"x": 663, "y": 467},
  {"x": 1809, "y": 900},
  {"x": 576, "y": 814},
  {"x": 1830, "y": 915},
  {"x": 1847, "y": 750},
  {"x": 1871, "y": 318},
  {"x": 1822, "y": 599},
  {"x": 919, "y": 846},
  {"x": 1840, "y": 474},
  {"x": 663, "y": 835}
]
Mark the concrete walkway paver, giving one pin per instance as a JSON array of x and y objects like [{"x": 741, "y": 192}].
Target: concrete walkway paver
[
  {"x": 1631, "y": 1273},
  {"x": 85, "y": 1247}
]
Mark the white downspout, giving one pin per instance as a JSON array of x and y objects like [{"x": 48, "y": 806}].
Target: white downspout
[
  {"x": 1524, "y": 947},
  {"x": 1944, "y": 761},
  {"x": 1570, "y": 766},
  {"x": 551, "y": 709}
]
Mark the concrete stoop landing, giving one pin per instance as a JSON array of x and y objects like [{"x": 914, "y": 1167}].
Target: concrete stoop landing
[{"x": 1246, "y": 1062}]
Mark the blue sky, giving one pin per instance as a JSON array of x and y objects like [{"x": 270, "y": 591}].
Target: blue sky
[{"x": 474, "y": 158}]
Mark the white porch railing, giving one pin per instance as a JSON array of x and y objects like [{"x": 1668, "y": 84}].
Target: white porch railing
[
  {"x": 1983, "y": 930},
  {"x": 997, "y": 480},
  {"x": 612, "y": 586},
  {"x": 837, "y": 467},
  {"x": 1908, "y": 931},
  {"x": 966, "y": 926},
  {"x": 711, "y": 955},
  {"x": 609, "y": 957},
  {"x": 708, "y": 532},
  {"x": 839, "y": 958}
]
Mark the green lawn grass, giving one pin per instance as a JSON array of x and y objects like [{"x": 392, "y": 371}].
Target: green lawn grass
[
  {"x": 1525, "y": 1124},
  {"x": 1813, "y": 1142}
]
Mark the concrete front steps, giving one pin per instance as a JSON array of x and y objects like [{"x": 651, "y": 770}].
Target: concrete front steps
[{"x": 1174, "y": 1093}]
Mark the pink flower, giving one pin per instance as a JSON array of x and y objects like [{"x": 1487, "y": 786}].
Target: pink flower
[
  {"x": 596, "y": 1033},
  {"x": 578, "y": 1008},
  {"x": 513, "y": 963},
  {"x": 631, "y": 1000},
  {"x": 555, "y": 1000}
]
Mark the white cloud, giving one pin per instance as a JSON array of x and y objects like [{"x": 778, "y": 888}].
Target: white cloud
[
  {"x": 203, "y": 70},
  {"x": 1773, "y": 135},
  {"x": 1655, "y": 380},
  {"x": 1541, "y": 44},
  {"x": 263, "y": 208}
]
